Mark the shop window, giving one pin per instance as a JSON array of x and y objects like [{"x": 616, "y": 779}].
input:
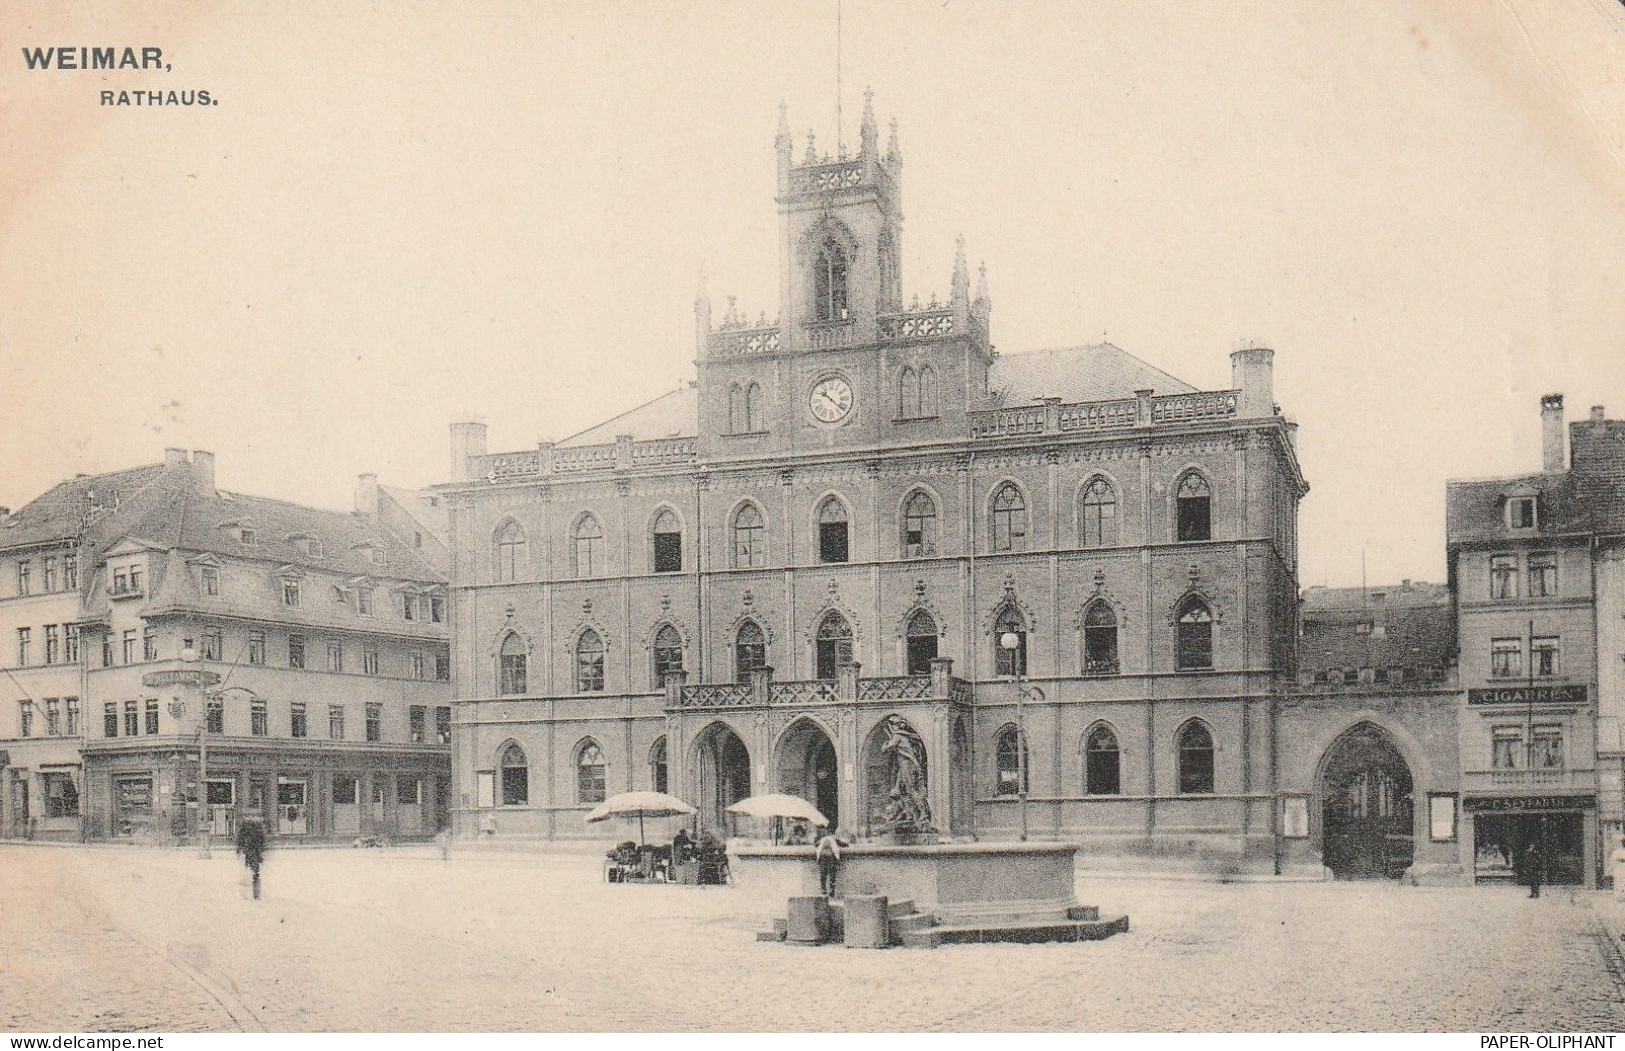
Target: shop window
[
  {"x": 515, "y": 776},
  {"x": 833, "y": 532},
  {"x": 1011, "y": 763},
  {"x": 1195, "y": 759},
  {"x": 61, "y": 796},
  {"x": 1194, "y": 508},
  {"x": 1100, "y": 639},
  {"x": 1102, "y": 763},
  {"x": 668, "y": 544}
]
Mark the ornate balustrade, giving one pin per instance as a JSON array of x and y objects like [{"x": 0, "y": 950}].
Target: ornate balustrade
[
  {"x": 1189, "y": 408},
  {"x": 659, "y": 451},
  {"x": 762, "y": 692},
  {"x": 828, "y": 335},
  {"x": 1092, "y": 416},
  {"x": 718, "y": 695},
  {"x": 1007, "y": 423},
  {"x": 810, "y": 691},
  {"x": 895, "y": 688},
  {"x": 830, "y": 175},
  {"x": 1089, "y": 417},
  {"x": 931, "y": 323},
  {"x": 548, "y": 460},
  {"x": 510, "y": 465},
  {"x": 584, "y": 458},
  {"x": 744, "y": 342}
]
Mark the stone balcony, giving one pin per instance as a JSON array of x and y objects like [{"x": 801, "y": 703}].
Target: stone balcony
[{"x": 848, "y": 687}]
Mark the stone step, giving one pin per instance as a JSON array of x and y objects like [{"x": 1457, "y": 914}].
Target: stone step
[
  {"x": 1083, "y": 912},
  {"x": 895, "y": 909},
  {"x": 1046, "y": 931},
  {"x": 912, "y": 922}
]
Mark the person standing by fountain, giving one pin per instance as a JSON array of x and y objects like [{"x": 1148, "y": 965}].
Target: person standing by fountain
[{"x": 829, "y": 861}]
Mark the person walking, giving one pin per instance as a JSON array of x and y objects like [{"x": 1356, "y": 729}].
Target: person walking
[
  {"x": 1533, "y": 862},
  {"x": 251, "y": 845},
  {"x": 828, "y": 852}
]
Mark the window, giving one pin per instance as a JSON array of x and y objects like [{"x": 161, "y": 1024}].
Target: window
[
  {"x": 1364, "y": 627},
  {"x": 135, "y": 579},
  {"x": 588, "y": 549},
  {"x": 1012, "y": 763},
  {"x": 1543, "y": 656},
  {"x": 1506, "y": 658},
  {"x": 510, "y": 551},
  {"x": 335, "y": 722},
  {"x": 417, "y": 666},
  {"x": 1195, "y": 759},
  {"x": 417, "y": 723},
  {"x": 515, "y": 776},
  {"x": 149, "y": 644},
  {"x": 745, "y": 409},
  {"x": 214, "y": 714},
  {"x": 369, "y": 661},
  {"x": 152, "y": 715},
  {"x": 128, "y": 640},
  {"x": 70, "y": 572},
  {"x": 1506, "y": 748},
  {"x": 25, "y": 639},
  {"x": 25, "y": 718},
  {"x": 750, "y": 650},
  {"x": 297, "y": 727},
  {"x": 375, "y": 722},
  {"x": 657, "y": 765},
  {"x": 919, "y": 526},
  {"x": 110, "y": 719},
  {"x": 928, "y": 392},
  {"x": 1503, "y": 576},
  {"x": 71, "y": 705},
  {"x": 53, "y": 717},
  {"x": 409, "y": 607},
  {"x": 340, "y": 596},
  {"x": 107, "y": 650},
  {"x": 70, "y": 644},
  {"x": 132, "y": 719},
  {"x": 442, "y": 667},
  {"x": 1546, "y": 748},
  {"x": 668, "y": 544},
  {"x": 290, "y": 593},
  {"x": 668, "y": 652},
  {"x": 832, "y": 531},
  {"x": 589, "y": 774},
  {"x": 213, "y": 646},
  {"x": 916, "y": 394},
  {"x": 922, "y": 642},
  {"x": 296, "y": 651},
  {"x": 61, "y": 796},
  {"x": 256, "y": 647},
  {"x": 512, "y": 665},
  {"x": 1194, "y": 508},
  {"x": 1100, "y": 639},
  {"x": 1009, "y": 519},
  {"x": 437, "y": 609},
  {"x": 1102, "y": 763},
  {"x": 589, "y": 663},
  {"x": 829, "y": 283},
  {"x": 211, "y": 580},
  {"x": 442, "y": 725},
  {"x": 259, "y": 719},
  {"x": 1543, "y": 575},
  {"x": 1010, "y": 661},
  {"x": 834, "y": 645},
  {"x": 53, "y": 646},
  {"x": 750, "y": 538},
  {"x": 1193, "y": 636},
  {"x": 1098, "y": 514},
  {"x": 1521, "y": 512},
  {"x": 335, "y": 656},
  {"x": 363, "y": 601},
  {"x": 48, "y": 574},
  {"x": 248, "y": 536},
  {"x": 24, "y": 586}
]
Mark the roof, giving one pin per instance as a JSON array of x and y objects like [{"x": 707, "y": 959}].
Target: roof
[
  {"x": 64, "y": 509},
  {"x": 1411, "y": 625},
  {"x": 672, "y": 415},
  {"x": 424, "y": 508},
  {"x": 1097, "y": 372},
  {"x": 1408, "y": 594},
  {"x": 1475, "y": 509}
]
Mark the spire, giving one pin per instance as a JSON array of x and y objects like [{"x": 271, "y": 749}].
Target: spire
[
  {"x": 812, "y": 148},
  {"x": 702, "y": 316},
  {"x": 701, "y": 294},
  {"x": 782, "y": 139},
  {"x": 869, "y": 134},
  {"x": 961, "y": 281},
  {"x": 894, "y": 154},
  {"x": 984, "y": 304}
]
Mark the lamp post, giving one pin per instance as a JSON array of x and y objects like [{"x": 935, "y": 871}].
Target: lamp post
[
  {"x": 1010, "y": 642},
  {"x": 202, "y": 680}
]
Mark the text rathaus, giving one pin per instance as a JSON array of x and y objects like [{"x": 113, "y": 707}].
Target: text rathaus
[{"x": 861, "y": 511}]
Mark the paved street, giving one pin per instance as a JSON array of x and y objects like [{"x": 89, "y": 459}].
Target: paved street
[{"x": 127, "y": 939}]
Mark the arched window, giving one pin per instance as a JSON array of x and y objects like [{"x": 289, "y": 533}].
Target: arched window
[
  {"x": 668, "y": 543},
  {"x": 750, "y": 538},
  {"x": 908, "y": 394},
  {"x": 588, "y": 540},
  {"x": 1194, "y": 508},
  {"x": 1099, "y": 639},
  {"x": 510, "y": 551},
  {"x": 832, "y": 531},
  {"x": 753, "y": 409},
  {"x": 928, "y": 391},
  {"x": 589, "y": 663},
  {"x": 514, "y": 771},
  {"x": 668, "y": 649},
  {"x": 1009, "y": 753},
  {"x": 1193, "y": 639},
  {"x": 512, "y": 660},
  {"x": 657, "y": 765},
  {"x": 834, "y": 644},
  {"x": 829, "y": 283},
  {"x": 1010, "y": 660},
  {"x": 1102, "y": 763},
  {"x": 736, "y": 410},
  {"x": 590, "y": 774},
  {"x": 1009, "y": 519},
  {"x": 1098, "y": 514},
  {"x": 750, "y": 650},
  {"x": 919, "y": 526},
  {"x": 922, "y": 642},
  {"x": 1195, "y": 759}
]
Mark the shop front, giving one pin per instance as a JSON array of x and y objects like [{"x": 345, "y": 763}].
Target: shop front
[{"x": 1512, "y": 837}]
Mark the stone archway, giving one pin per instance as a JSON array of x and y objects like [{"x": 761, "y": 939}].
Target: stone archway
[
  {"x": 722, "y": 766},
  {"x": 805, "y": 765},
  {"x": 1367, "y": 813}
]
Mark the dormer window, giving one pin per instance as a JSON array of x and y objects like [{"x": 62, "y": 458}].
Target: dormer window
[
  {"x": 248, "y": 536},
  {"x": 1521, "y": 512},
  {"x": 339, "y": 595},
  {"x": 211, "y": 580},
  {"x": 363, "y": 601},
  {"x": 290, "y": 593}
]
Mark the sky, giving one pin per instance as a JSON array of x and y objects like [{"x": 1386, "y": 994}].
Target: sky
[{"x": 398, "y": 214}]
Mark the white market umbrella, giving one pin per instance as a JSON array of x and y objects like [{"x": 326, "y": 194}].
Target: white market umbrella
[
  {"x": 639, "y": 805},
  {"x": 778, "y": 804}
]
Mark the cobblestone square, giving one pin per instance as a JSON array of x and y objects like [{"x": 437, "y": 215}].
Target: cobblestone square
[{"x": 398, "y": 940}]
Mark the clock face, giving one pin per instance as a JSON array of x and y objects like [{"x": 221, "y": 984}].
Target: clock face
[{"x": 831, "y": 399}]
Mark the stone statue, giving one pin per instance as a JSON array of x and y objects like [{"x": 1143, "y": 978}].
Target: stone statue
[{"x": 907, "y": 809}]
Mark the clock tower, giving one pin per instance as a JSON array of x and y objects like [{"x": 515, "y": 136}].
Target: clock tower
[{"x": 846, "y": 363}]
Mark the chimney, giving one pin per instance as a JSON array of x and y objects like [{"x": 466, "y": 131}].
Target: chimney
[
  {"x": 467, "y": 440},
  {"x": 1252, "y": 372},
  {"x": 1551, "y": 433},
  {"x": 203, "y": 469},
  {"x": 366, "y": 494},
  {"x": 174, "y": 456},
  {"x": 1598, "y": 414}
]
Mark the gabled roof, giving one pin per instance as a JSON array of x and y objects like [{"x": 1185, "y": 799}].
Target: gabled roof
[
  {"x": 1097, "y": 372},
  {"x": 1476, "y": 509},
  {"x": 425, "y": 509},
  {"x": 672, "y": 415},
  {"x": 1411, "y": 625},
  {"x": 61, "y": 511}
]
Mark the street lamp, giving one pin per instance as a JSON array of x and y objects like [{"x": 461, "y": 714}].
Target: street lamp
[
  {"x": 201, "y": 679},
  {"x": 1010, "y": 642}
]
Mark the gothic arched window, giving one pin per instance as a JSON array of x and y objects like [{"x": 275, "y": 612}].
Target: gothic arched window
[
  {"x": 1009, "y": 519},
  {"x": 928, "y": 392},
  {"x": 829, "y": 283},
  {"x": 590, "y": 773},
  {"x": 668, "y": 652},
  {"x": 667, "y": 536},
  {"x": 1011, "y": 763},
  {"x": 512, "y": 661},
  {"x": 1011, "y": 660},
  {"x": 919, "y": 526},
  {"x": 509, "y": 551},
  {"x": 1194, "y": 508},
  {"x": 736, "y": 409},
  {"x": 750, "y": 650},
  {"x": 922, "y": 642},
  {"x": 834, "y": 531},
  {"x": 1195, "y": 759},
  {"x": 1193, "y": 636},
  {"x": 749, "y": 538},
  {"x": 588, "y": 546},
  {"x": 1102, "y": 763},
  {"x": 514, "y": 772},
  {"x": 908, "y": 394},
  {"x": 753, "y": 408},
  {"x": 834, "y": 644},
  {"x": 589, "y": 663},
  {"x": 1098, "y": 514},
  {"x": 657, "y": 765},
  {"x": 1099, "y": 639}
]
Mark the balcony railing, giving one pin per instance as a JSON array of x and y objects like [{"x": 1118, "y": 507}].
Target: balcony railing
[
  {"x": 1540, "y": 780},
  {"x": 610, "y": 456},
  {"x": 847, "y": 688},
  {"x": 1056, "y": 417}
]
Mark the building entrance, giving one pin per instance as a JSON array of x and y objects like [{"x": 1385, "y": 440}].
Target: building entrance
[
  {"x": 1501, "y": 843},
  {"x": 807, "y": 768},
  {"x": 1367, "y": 819},
  {"x": 723, "y": 764}
]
